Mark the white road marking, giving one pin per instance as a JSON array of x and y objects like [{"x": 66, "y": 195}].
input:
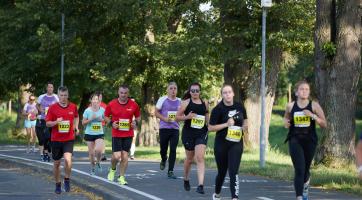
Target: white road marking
[
  {"x": 152, "y": 171},
  {"x": 264, "y": 198},
  {"x": 150, "y": 196}
]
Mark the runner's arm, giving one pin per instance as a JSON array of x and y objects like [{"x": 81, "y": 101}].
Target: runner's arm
[
  {"x": 286, "y": 118},
  {"x": 319, "y": 116},
  {"x": 180, "y": 115},
  {"x": 76, "y": 124},
  {"x": 160, "y": 116},
  {"x": 207, "y": 114}
]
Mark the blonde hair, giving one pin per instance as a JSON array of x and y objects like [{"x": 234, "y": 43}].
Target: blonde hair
[{"x": 299, "y": 83}]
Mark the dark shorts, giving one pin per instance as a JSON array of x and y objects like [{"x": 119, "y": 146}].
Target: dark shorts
[
  {"x": 92, "y": 138},
  {"x": 121, "y": 144},
  {"x": 59, "y": 148},
  {"x": 190, "y": 140},
  {"x": 360, "y": 137}
]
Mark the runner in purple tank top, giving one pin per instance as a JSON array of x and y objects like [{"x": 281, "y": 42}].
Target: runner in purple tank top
[
  {"x": 43, "y": 132},
  {"x": 166, "y": 109}
]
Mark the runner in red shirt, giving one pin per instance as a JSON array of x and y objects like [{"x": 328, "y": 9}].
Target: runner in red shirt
[
  {"x": 64, "y": 120},
  {"x": 120, "y": 113}
]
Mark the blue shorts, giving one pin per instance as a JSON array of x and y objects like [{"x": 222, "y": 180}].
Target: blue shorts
[{"x": 29, "y": 123}]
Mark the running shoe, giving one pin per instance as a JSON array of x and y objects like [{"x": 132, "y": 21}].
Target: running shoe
[
  {"x": 58, "y": 188},
  {"x": 216, "y": 196},
  {"x": 42, "y": 158},
  {"x": 122, "y": 180},
  {"x": 200, "y": 189},
  {"x": 170, "y": 175},
  {"x": 111, "y": 174},
  {"x": 99, "y": 167},
  {"x": 67, "y": 185},
  {"x": 306, "y": 191},
  {"x": 162, "y": 165},
  {"x": 132, "y": 157},
  {"x": 93, "y": 171},
  {"x": 187, "y": 185}
]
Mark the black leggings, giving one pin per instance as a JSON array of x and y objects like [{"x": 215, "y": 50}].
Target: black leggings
[
  {"x": 228, "y": 156},
  {"x": 169, "y": 136},
  {"x": 301, "y": 151},
  {"x": 43, "y": 134}
]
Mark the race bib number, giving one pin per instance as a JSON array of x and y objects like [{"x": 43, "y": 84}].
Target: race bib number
[
  {"x": 171, "y": 115},
  {"x": 64, "y": 126},
  {"x": 301, "y": 120},
  {"x": 123, "y": 125},
  {"x": 198, "y": 121},
  {"x": 234, "y": 134},
  {"x": 96, "y": 127}
]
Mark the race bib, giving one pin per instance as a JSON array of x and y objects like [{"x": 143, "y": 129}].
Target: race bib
[
  {"x": 234, "y": 134},
  {"x": 64, "y": 126},
  {"x": 96, "y": 127},
  {"x": 301, "y": 120},
  {"x": 123, "y": 125},
  {"x": 198, "y": 121},
  {"x": 171, "y": 115}
]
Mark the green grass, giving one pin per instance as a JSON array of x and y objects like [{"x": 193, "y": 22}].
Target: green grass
[
  {"x": 7, "y": 124},
  {"x": 278, "y": 163}
]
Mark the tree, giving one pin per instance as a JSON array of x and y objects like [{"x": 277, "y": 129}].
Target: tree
[
  {"x": 338, "y": 67},
  {"x": 289, "y": 28}
]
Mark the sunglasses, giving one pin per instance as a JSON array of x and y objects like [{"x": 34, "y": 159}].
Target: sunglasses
[{"x": 195, "y": 91}]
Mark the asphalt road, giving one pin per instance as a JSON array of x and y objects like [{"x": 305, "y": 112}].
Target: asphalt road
[{"x": 147, "y": 181}]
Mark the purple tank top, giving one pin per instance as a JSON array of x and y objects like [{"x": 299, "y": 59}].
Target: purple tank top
[
  {"x": 45, "y": 101},
  {"x": 168, "y": 108}
]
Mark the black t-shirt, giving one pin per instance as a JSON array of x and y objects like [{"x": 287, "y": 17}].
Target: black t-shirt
[{"x": 221, "y": 114}]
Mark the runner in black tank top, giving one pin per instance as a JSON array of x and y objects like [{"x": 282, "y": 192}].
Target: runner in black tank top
[
  {"x": 194, "y": 133},
  {"x": 301, "y": 117}
]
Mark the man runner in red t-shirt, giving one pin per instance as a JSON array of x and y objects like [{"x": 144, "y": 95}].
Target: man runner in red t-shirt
[
  {"x": 120, "y": 113},
  {"x": 64, "y": 120}
]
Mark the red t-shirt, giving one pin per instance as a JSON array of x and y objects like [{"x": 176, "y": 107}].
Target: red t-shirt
[
  {"x": 124, "y": 114},
  {"x": 63, "y": 131}
]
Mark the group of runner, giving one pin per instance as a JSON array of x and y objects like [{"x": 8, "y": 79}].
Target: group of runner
[{"x": 228, "y": 119}]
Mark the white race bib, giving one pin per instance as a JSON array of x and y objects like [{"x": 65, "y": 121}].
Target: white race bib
[
  {"x": 171, "y": 115},
  {"x": 235, "y": 133},
  {"x": 198, "y": 121},
  {"x": 64, "y": 126},
  {"x": 96, "y": 127},
  {"x": 301, "y": 120},
  {"x": 123, "y": 125}
]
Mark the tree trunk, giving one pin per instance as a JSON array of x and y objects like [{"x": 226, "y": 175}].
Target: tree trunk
[
  {"x": 84, "y": 104},
  {"x": 245, "y": 79},
  {"x": 149, "y": 128},
  {"x": 338, "y": 76}
]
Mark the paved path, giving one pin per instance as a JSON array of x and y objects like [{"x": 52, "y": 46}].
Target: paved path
[{"x": 147, "y": 181}]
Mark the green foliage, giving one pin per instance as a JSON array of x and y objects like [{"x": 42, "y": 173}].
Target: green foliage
[{"x": 329, "y": 48}]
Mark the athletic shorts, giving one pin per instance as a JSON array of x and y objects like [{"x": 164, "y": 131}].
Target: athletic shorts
[
  {"x": 190, "y": 140},
  {"x": 59, "y": 148},
  {"x": 121, "y": 144},
  {"x": 29, "y": 123},
  {"x": 92, "y": 138}
]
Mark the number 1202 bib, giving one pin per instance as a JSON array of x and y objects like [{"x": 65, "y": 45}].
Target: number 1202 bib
[
  {"x": 64, "y": 126},
  {"x": 198, "y": 121},
  {"x": 301, "y": 120}
]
